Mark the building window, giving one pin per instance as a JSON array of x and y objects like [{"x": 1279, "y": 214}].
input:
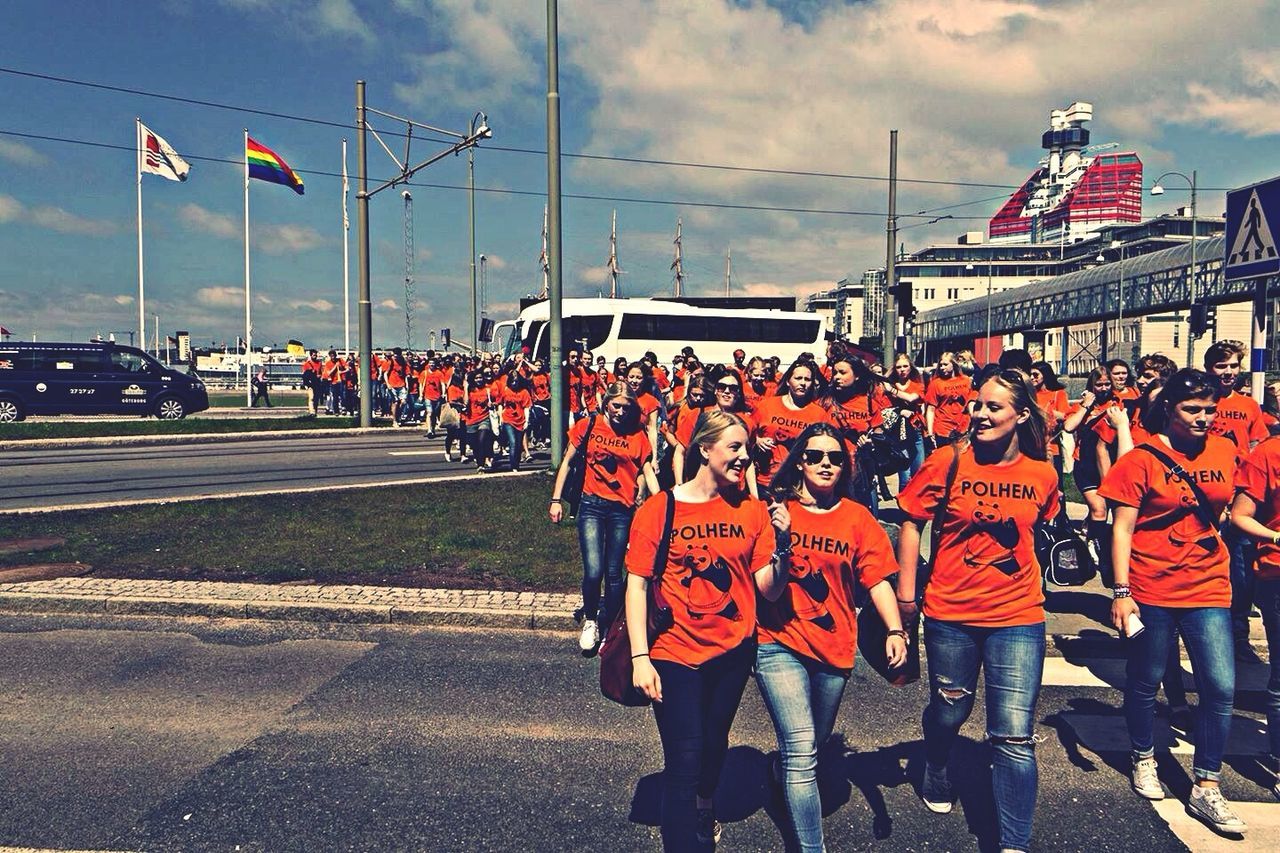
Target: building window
[
  {"x": 1177, "y": 327},
  {"x": 953, "y": 293}
]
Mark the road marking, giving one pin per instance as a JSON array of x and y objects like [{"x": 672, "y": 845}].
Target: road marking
[
  {"x": 415, "y": 453},
  {"x": 1263, "y": 820},
  {"x": 301, "y": 490}
]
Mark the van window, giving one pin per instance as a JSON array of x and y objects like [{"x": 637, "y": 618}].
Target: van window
[
  {"x": 77, "y": 360},
  {"x": 126, "y": 362}
]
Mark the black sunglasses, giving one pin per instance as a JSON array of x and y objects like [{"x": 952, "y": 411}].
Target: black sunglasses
[
  {"x": 814, "y": 457},
  {"x": 728, "y": 387}
]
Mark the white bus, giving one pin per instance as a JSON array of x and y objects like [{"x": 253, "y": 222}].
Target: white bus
[{"x": 628, "y": 328}]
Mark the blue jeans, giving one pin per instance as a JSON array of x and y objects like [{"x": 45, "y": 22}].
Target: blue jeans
[
  {"x": 1206, "y": 632},
  {"x": 514, "y": 439},
  {"x": 915, "y": 440},
  {"x": 1013, "y": 659},
  {"x": 1267, "y": 594},
  {"x": 603, "y": 529},
  {"x": 1242, "y": 581},
  {"x": 697, "y": 709},
  {"x": 803, "y": 696}
]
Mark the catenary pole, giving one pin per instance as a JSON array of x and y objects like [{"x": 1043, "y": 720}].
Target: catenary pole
[
  {"x": 346, "y": 259},
  {"x": 364, "y": 307},
  {"x": 889, "y": 336},
  {"x": 471, "y": 227},
  {"x": 559, "y": 407}
]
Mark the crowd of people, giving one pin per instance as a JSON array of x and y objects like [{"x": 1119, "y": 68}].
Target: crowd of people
[{"x": 760, "y": 487}]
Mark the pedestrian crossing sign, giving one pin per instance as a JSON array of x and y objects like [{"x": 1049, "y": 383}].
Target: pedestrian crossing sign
[{"x": 1253, "y": 212}]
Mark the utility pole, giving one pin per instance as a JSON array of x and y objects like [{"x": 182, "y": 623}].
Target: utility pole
[
  {"x": 614, "y": 270},
  {"x": 889, "y": 336},
  {"x": 728, "y": 271},
  {"x": 408, "y": 269},
  {"x": 678, "y": 263},
  {"x": 542, "y": 258},
  {"x": 364, "y": 306},
  {"x": 559, "y": 400}
]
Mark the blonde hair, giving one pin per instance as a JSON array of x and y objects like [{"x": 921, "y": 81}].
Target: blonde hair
[{"x": 711, "y": 424}]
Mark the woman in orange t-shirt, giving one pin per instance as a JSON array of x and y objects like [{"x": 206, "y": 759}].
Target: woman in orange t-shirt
[
  {"x": 808, "y": 636},
  {"x": 455, "y": 396},
  {"x": 1172, "y": 575},
  {"x": 947, "y": 397},
  {"x": 779, "y": 419},
  {"x": 1256, "y": 513},
  {"x": 984, "y": 601},
  {"x": 722, "y": 551},
  {"x": 617, "y": 460},
  {"x": 640, "y": 377},
  {"x": 906, "y": 394},
  {"x": 756, "y": 384},
  {"x": 723, "y": 391},
  {"x": 476, "y": 419},
  {"x": 855, "y": 403},
  {"x": 1051, "y": 397},
  {"x": 515, "y": 398}
]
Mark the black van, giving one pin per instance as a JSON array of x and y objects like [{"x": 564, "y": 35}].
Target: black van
[{"x": 92, "y": 379}]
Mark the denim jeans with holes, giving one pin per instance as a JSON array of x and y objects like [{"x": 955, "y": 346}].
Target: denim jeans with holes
[
  {"x": 1013, "y": 662},
  {"x": 1206, "y": 632}
]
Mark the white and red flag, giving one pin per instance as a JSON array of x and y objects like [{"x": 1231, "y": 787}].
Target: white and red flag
[{"x": 157, "y": 157}]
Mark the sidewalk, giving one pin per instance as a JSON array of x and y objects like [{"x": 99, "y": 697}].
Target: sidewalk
[{"x": 344, "y": 604}]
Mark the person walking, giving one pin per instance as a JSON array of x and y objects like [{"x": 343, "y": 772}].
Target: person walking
[
  {"x": 311, "y": 370},
  {"x": 516, "y": 400},
  {"x": 947, "y": 397},
  {"x": 1172, "y": 573},
  {"x": 905, "y": 390},
  {"x": 476, "y": 419},
  {"x": 618, "y": 457},
  {"x": 724, "y": 549},
  {"x": 782, "y": 417},
  {"x": 808, "y": 636},
  {"x": 984, "y": 600},
  {"x": 261, "y": 387}
]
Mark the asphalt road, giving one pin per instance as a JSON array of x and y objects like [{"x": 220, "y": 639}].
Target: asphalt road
[
  {"x": 94, "y": 476},
  {"x": 156, "y": 735}
]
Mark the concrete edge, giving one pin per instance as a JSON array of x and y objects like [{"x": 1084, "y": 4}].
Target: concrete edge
[
  {"x": 191, "y": 438},
  {"x": 532, "y": 618}
]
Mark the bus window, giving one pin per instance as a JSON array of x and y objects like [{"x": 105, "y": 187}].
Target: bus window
[{"x": 594, "y": 330}]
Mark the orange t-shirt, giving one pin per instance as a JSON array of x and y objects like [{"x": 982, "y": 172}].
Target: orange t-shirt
[
  {"x": 831, "y": 552},
  {"x": 1050, "y": 402},
  {"x": 454, "y": 393},
  {"x": 752, "y": 398},
  {"x": 614, "y": 460},
  {"x": 541, "y": 387},
  {"x": 515, "y": 406},
  {"x": 431, "y": 382},
  {"x": 775, "y": 420},
  {"x": 716, "y": 547},
  {"x": 1126, "y": 392},
  {"x": 1259, "y": 478},
  {"x": 1168, "y": 567},
  {"x": 591, "y": 387},
  {"x": 950, "y": 400},
  {"x": 573, "y": 384},
  {"x": 684, "y": 415},
  {"x": 1240, "y": 420},
  {"x": 860, "y": 414},
  {"x": 477, "y": 406},
  {"x": 648, "y": 405},
  {"x": 396, "y": 373},
  {"x": 1095, "y": 422},
  {"x": 985, "y": 572},
  {"x": 686, "y": 425}
]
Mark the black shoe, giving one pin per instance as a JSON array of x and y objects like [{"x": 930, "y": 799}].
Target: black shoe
[{"x": 708, "y": 828}]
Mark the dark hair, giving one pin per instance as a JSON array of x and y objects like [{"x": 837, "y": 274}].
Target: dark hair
[
  {"x": 787, "y": 481},
  {"x": 1159, "y": 362},
  {"x": 720, "y": 372},
  {"x": 819, "y": 382},
  {"x": 1221, "y": 350},
  {"x": 1051, "y": 381},
  {"x": 1119, "y": 362},
  {"x": 1187, "y": 384},
  {"x": 646, "y": 384},
  {"x": 1016, "y": 358},
  {"x": 864, "y": 380}
]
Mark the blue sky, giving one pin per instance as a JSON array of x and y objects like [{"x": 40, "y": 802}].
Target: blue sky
[{"x": 801, "y": 85}]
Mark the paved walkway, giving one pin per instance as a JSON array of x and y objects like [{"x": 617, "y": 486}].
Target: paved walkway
[{"x": 362, "y": 604}]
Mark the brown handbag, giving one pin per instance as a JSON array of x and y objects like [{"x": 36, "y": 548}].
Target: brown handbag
[{"x": 615, "y": 652}]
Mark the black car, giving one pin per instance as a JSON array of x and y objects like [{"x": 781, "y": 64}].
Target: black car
[{"x": 92, "y": 379}]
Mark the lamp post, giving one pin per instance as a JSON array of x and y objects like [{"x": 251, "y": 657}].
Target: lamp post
[
  {"x": 471, "y": 214},
  {"x": 1157, "y": 189}
]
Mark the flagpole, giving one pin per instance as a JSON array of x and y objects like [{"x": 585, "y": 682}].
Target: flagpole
[
  {"x": 248, "y": 327},
  {"x": 142, "y": 317},
  {"x": 346, "y": 262}
]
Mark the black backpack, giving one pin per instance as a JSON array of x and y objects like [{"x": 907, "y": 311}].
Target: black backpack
[{"x": 1064, "y": 557}]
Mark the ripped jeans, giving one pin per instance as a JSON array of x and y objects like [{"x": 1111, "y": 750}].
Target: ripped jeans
[{"x": 1013, "y": 661}]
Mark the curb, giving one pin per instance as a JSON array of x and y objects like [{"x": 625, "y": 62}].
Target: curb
[
  {"x": 383, "y": 605},
  {"x": 191, "y": 438}
]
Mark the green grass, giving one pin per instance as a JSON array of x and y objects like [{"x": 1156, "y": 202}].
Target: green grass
[
  {"x": 490, "y": 534},
  {"x": 1070, "y": 491},
  {"x": 233, "y": 399},
  {"x": 150, "y": 426}
]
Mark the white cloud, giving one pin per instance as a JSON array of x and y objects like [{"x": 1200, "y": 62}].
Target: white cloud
[
  {"x": 123, "y": 299},
  {"x": 221, "y": 296},
  {"x": 216, "y": 224},
  {"x": 320, "y": 305},
  {"x": 311, "y": 17},
  {"x": 288, "y": 239},
  {"x": 53, "y": 218},
  {"x": 10, "y": 208},
  {"x": 1249, "y": 105},
  {"x": 594, "y": 275},
  {"x": 22, "y": 155},
  {"x": 389, "y": 304},
  {"x": 495, "y": 262}
]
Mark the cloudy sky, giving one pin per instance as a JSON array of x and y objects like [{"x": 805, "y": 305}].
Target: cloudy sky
[{"x": 776, "y": 87}]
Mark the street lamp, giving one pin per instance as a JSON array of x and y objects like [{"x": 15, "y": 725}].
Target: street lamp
[
  {"x": 1157, "y": 189},
  {"x": 475, "y": 132}
]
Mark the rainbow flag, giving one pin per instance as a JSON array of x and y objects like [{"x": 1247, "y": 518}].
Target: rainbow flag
[{"x": 266, "y": 165}]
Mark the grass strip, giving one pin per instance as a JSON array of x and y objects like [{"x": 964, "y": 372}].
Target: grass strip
[
  {"x": 490, "y": 534},
  {"x": 189, "y": 426},
  {"x": 235, "y": 399}
]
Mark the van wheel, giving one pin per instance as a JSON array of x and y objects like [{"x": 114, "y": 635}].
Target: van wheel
[
  {"x": 170, "y": 409},
  {"x": 11, "y": 411}
]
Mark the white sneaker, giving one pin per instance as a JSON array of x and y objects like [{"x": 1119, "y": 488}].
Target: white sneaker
[
  {"x": 448, "y": 456},
  {"x": 1208, "y": 804},
  {"x": 1146, "y": 782},
  {"x": 590, "y": 636},
  {"x": 936, "y": 791}
]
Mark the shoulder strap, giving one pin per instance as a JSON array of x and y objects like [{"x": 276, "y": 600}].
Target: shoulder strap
[
  {"x": 1202, "y": 511},
  {"x": 935, "y": 533},
  {"x": 664, "y": 544},
  {"x": 591, "y": 424}
]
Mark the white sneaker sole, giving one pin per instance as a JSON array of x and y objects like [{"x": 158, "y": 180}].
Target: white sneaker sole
[
  {"x": 938, "y": 808},
  {"x": 1222, "y": 829}
]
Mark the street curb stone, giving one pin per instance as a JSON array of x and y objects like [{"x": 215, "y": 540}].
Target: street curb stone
[
  {"x": 191, "y": 438},
  {"x": 344, "y": 604}
]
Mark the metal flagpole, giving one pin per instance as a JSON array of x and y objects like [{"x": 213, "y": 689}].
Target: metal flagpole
[
  {"x": 346, "y": 260},
  {"x": 248, "y": 326},
  {"x": 142, "y": 317}
]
